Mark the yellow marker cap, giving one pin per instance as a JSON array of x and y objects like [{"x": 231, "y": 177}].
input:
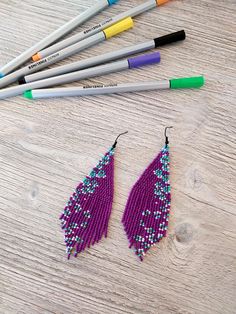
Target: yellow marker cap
[{"x": 119, "y": 27}]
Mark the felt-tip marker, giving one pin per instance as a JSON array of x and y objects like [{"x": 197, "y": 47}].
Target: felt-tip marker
[{"x": 179, "y": 83}]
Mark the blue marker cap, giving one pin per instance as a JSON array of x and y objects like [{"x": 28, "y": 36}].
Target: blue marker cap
[
  {"x": 1, "y": 75},
  {"x": 110, "y": 2}
]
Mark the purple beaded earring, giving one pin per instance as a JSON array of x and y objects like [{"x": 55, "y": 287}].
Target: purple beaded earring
[
  {"x": 86, "y": 215},
  {"x": 146, "y": 214}
]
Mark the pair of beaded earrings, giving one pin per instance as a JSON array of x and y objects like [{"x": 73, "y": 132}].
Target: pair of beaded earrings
[{"x": 86, "y": 215}]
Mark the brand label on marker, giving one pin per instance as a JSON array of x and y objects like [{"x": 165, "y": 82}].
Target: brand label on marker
[
  {"x": 99, "y": 86},
  {"x": 97, "y": 26},
  {"x": 40, "y": 62},
  {"x": 36, "y": 64}
]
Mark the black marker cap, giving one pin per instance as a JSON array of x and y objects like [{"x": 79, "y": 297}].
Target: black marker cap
[
  {"x": 22, "y": 81},
  {"x": 170, "y": 38}
]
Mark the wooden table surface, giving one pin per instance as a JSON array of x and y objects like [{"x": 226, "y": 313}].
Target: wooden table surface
[{"x": 48, "y": 146}]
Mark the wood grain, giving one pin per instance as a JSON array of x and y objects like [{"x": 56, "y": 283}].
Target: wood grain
[{"x": 47, "y": 146}]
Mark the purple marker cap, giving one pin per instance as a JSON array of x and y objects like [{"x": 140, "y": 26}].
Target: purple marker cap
[{"x": 144, "y": 60}]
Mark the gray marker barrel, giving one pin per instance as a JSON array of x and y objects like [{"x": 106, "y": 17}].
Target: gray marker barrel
[
  {"x": 84, "y": 74},
  {"x": 97, "y": 28},
  {"x": 53, "y": 37},
  {"x": 97, "y": 90},
  {"x": 107, "y": 57}
]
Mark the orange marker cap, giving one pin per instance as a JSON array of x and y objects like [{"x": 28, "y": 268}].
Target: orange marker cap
[
  {"x": 36, "y": 57},
  {"x": 160, "y": 2}
]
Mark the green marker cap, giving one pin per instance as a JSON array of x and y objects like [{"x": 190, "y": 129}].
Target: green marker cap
[
  {"x": 28, "y": 94},
  {"x": 188, "y": 82}
]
